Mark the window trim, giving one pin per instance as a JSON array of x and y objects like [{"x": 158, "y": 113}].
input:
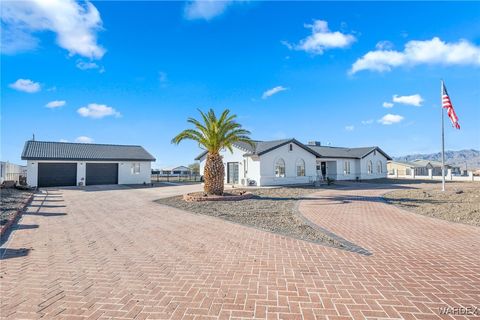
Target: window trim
[
  {"x": 134, "y": 167},
  {"x": 277, "y": 173},
  {"x": 300, "y": 163}
]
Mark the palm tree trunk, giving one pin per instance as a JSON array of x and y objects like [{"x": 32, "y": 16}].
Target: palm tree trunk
[{"x": 214, "y": 174}]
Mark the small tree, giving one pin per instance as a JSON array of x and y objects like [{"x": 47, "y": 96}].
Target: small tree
[
  {"x": 194, "y": 168},
  {"x": 214, "y": 134}
]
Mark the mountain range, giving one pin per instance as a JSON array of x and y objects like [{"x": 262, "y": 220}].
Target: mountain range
[{"x": 469, "y": 158}]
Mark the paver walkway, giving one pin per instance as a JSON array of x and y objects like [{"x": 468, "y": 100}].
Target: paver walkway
[{"x": 115, "y": 254}]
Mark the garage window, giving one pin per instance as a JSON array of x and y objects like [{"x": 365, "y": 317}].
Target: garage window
[{"x": 135, "y": 168}]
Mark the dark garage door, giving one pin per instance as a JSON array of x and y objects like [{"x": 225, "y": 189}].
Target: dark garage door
[
  {"x": 101, "y": 173},
  {"x": 57, "y": 174}
]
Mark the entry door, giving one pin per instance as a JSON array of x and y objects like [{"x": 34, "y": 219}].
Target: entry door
[
  {"x": 101, "y": 173},
  {"x": 324, "y": 168},
  {"x": 232, "y": 172}
]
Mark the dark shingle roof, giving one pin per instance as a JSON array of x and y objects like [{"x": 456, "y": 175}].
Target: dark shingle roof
[
  {"x": 262, "y": 147},
  {"x": 47, "y": 150},
  {"x": 339, "y": 152}
]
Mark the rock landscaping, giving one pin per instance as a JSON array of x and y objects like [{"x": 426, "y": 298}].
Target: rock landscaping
[
  {"x": 12, "y": 201},
  {"x": 236, "y": 195},
  {"x": 271, "y": 209},
  {"x": 459, "y": 203}
]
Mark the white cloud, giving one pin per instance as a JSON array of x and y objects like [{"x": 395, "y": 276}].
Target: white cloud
[
  {"x": 63, "y": 140},
  {"x": 350, "y": 128},
  {"x": 413, "y": 100},
  {"x": 25, "y": 85},
  {"x": 163, "y": 78},
  {"x": 82, "y": 65},
  {"x": 384, "y": 45},
  {"x": 205, "y": 9},
  {"x": 55, "y": 104},
  {"x": 369, "y": 121},
  {"x": 390, "y": 119},
  {"x": 434, "y": 51},
  {"x": 84, "y": 139},
  {"x": 321, "y": 39},
  {"x": 97, "y": 111},
  {"x": 273, "y": 91},
  {"x": 387, "y": 105},
  {"x": 75, "y": 25}
]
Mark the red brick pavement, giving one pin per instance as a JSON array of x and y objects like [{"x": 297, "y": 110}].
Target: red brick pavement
[{"x": 118, "y": 255}]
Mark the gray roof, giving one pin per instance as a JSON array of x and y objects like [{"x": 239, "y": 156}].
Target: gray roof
[
  {"x": 262, "y": 147},
  {"x": 341, "y": 152},
  {"x": 48, "y": 150}
]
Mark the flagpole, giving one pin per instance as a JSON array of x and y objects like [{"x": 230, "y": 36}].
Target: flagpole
[{"x": 443, "y": 137}]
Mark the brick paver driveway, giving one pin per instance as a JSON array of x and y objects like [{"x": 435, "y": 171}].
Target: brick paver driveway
[{"x": 116, "y": 254}]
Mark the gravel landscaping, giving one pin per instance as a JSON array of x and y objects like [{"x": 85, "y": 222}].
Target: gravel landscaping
[
  {"x": 12, "y": 200},
  {"x": 271, "y": 209},
  {"x": 459, "y": 203}
]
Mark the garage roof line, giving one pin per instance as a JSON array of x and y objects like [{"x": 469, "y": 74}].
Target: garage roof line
[{"x": 50, "y": 150}]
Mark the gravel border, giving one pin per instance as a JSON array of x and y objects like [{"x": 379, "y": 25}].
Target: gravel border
[{"x": 275, "y": 210}]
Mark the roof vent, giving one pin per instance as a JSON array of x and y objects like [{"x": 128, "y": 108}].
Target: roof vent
[{"x": 314, "y": 143}]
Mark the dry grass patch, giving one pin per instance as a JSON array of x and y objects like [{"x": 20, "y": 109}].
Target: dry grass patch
[{"x": 459, "y": 203}]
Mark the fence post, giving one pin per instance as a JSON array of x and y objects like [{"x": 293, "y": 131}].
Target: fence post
[
  {"x": 430, "y": 174},
  {"x": 412, "y": 173},
  {"x": 470, "y": 175}
]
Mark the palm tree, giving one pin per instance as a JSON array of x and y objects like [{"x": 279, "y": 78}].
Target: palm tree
[{"x": 213, "y": 135}]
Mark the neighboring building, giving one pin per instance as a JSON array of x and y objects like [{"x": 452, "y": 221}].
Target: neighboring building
[
  {"x": 174, "y": 171},
  {"x": 420, "y": 167},
  {"x": 52, "y": 164},
  {"x": 11, "y": 172},
  {"x": 289, "y": 161}
]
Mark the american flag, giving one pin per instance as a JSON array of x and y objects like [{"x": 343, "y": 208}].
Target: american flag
[{"x": 447, "y": 104}]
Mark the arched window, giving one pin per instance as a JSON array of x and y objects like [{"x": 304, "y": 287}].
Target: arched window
[
  {"x": 369, "y": 167},
  {"x": 300, "y": 168},
  {"x": 280, "y": 168},
  {"x": 379, "y": 166}
]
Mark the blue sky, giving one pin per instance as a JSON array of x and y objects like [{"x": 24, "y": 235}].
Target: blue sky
[{"x": 348, "y": 74}]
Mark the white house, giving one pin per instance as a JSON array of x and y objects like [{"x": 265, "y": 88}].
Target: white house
[
  {"x": 52, "y": 164},
  {"x": 175, "y": 171},
  {"x": 289, "y": 161}
]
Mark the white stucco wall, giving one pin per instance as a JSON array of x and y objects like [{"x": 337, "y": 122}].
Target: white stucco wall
[
  {"x": 374, "y": 157},
  {"x": 268, "y": 160},
  {"x": 125, "y": 175}
]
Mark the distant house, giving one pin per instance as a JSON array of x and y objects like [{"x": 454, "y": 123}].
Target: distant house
[
  {"x": 175, "y": 171},
  {"x": 53, "y": 164},
  {"x": 420, "y": 167},
  {"x": 289, "y": 161}
]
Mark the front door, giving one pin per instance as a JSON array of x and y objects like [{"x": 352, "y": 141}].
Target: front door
[
  {"x": 323, "y": 166},
  {"x": 232, "y": 172}
]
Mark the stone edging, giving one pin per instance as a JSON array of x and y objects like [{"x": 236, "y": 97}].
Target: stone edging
[
  {"x": 15, "y": 216},
  {"x": 189, "y": 197}
]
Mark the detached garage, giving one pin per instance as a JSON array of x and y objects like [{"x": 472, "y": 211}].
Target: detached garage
[{"x": 58, "y": 164}]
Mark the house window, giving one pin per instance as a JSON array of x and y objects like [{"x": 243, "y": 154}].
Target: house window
[
  {"x": 136, "y": 168},
  {"x": 379, "y": 167},
  {"x": 369, "y": 167},
  {"x": 291, "y": 147},
  {"x": 245, "y": 169},
  {"x": 280, "y": 168},
  {"x": 346, "y": 167},
  {"x": 300, "y": 168}
]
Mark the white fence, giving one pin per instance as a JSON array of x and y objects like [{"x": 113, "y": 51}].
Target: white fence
[{"x": 448, "y": 177}]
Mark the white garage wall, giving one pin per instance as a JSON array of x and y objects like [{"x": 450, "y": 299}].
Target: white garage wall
[{"x": 125, "y": 175}]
